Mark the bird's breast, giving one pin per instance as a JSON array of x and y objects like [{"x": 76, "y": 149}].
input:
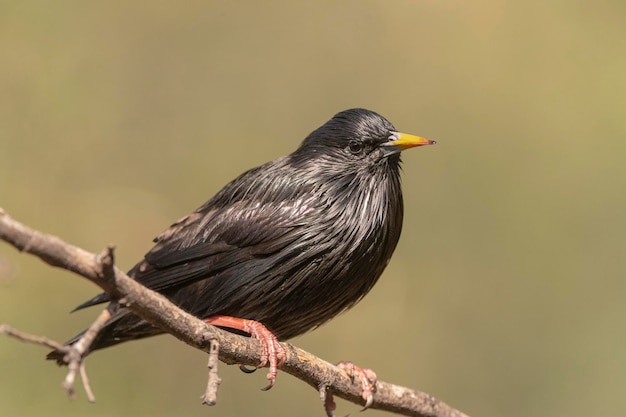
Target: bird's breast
[{"x": 343, "y": 252}]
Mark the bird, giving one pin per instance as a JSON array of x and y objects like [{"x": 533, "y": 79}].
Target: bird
[{"x": 284, "y": 247}]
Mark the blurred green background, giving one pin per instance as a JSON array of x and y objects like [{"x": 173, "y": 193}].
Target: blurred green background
[{"x": 505, "y": 296}]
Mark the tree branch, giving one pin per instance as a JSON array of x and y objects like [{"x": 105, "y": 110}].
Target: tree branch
[{"x": 233, "y": 349}]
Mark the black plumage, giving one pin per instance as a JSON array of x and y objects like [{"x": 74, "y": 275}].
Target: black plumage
[{"x": 291, "y": 243}]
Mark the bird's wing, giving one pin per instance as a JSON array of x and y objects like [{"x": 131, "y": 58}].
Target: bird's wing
[
  {"x": 229, "y": 229},
  {"x": 206, "y": 243}
]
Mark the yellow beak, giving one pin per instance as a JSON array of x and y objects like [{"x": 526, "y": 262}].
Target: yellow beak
[{"x": 401, "y": 141}]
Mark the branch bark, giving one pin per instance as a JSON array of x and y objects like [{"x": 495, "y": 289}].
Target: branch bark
[{"x": 233, "y": 349}]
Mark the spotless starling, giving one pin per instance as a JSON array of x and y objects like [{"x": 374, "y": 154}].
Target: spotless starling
[{"x": 284, "y": 247}]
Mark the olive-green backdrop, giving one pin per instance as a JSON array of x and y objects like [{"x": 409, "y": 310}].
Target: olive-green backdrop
[{"x": 506, "y": 294}]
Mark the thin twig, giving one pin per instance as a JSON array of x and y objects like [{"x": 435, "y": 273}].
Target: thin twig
[
  {"x": 214, "y": 380},
  {"x": 68, "y": 383},
  {"x": 77, "y": 352},
  {"x": 83, "y": 376},
  {"x": 30, "y": 338},
  {"x": 327, "y": 399}
]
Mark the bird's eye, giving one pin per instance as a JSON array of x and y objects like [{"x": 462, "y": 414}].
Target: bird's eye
[{"x": 355, "y": 146}]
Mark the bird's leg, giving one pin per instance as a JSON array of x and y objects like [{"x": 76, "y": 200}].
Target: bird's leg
[
  {"x": 366, "y": 377},
  {"x": 272, "y": 352}
]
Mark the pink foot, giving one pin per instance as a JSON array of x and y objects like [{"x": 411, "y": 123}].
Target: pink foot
[
  {"x": 366, "y": 377},
  {"x": 272, "y": 352}
]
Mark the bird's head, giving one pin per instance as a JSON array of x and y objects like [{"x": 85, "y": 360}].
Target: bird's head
[{"x": 358, "y": 137}]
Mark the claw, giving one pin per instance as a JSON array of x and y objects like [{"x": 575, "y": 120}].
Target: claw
[
  {"x": 366, "y": 377},
  {"x": 272, "y": 352},
  {"x": 247, "y": 370}
]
